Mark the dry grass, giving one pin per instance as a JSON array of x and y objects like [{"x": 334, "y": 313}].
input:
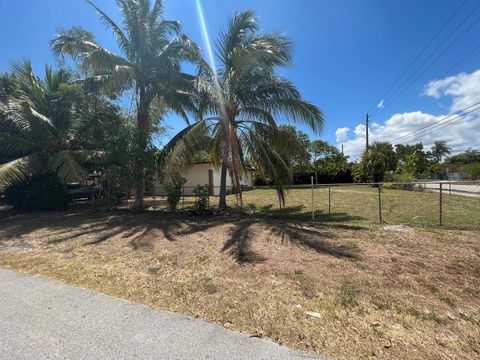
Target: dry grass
[{"x": 380, "y": 294}]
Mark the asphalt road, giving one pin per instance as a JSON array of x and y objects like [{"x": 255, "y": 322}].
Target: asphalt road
[{"x": 46, "y": 319}]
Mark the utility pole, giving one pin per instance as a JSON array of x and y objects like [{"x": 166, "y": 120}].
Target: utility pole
[
  {"x": 342, "y": 150},
  {"x": 366, "y": 127}
]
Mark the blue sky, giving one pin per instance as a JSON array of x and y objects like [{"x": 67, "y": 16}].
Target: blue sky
[{"x": 346, "y": 53}]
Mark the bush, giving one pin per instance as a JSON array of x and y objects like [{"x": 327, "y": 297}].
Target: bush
[
  {"x": 201, "y": 202},
  {"x": 174, "y": 192},
  {"x": 39, "y": 192},
  {"x": 473, "y": 171},
  {"x": 400, "y": 182},
  {"x": 389, "y": 185}
]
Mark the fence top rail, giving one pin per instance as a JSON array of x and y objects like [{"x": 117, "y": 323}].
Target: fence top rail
[
  {"x": 300, "y": 186},
  {"x": 463, "y": 182}
]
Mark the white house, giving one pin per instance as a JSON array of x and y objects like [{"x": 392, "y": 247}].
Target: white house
[{"x": 205, "y": 174}]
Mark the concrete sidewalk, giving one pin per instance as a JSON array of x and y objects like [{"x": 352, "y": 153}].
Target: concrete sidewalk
[{"x": 46, "y": 319}]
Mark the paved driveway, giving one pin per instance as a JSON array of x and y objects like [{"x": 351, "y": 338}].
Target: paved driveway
[{"x": 46, "y": 319}]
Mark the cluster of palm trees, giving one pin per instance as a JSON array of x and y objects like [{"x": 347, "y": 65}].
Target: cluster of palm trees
[{"x": 232, "y": 107}]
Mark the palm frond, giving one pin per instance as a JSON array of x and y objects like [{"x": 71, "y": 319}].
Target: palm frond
[
  {"x": 66, "y": 167},
  {"x": 12, "y": 144},
  {"x": 179, "y": 152},
  {"x": 295, "y": 111},
  {"x": 241, "y": 25},
  {"x": 122, "y": 39},
  {"x": 20, "y": 169}
]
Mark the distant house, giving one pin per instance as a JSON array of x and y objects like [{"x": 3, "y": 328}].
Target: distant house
[
  {"x": 453, "y": 172},
  {"x": 206, "y": 174}
]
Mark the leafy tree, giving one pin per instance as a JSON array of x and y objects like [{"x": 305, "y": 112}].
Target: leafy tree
[
  {"x": 100, "y": 119},
  {"x": 413, "y": 160},
  {"x": 473, "y": 171},
  {"x": 327, "y": 160},
  {"x": 299, "y": 152},
  {"x": 244, "y": 98},
  {"x": 467, "y": 157},
  {"x": 37, "y": 128},
  {"x": 122, "y": 152},
  {"x": 153, "y": 50}
]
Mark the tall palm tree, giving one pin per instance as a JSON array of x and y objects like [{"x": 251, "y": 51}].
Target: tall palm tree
[
  {"x": 37, "y": 128},
  {"x": 150, "y": 64},
  {"x": 440, "y": 149},
  {"x": 243, "y": 98}
]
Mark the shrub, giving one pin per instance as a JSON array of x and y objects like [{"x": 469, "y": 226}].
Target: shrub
[
  {"x": 473, "y": 171},
  {"x": 400, "y": 182},
  {"x": 174, "y": 191},
  {"x": 201, "y": 202},
  {"x": 389, "y": 185},
  {"x": 39, "y": 192}
]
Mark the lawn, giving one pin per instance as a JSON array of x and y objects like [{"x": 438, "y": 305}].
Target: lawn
[
  {"x": 355, "y": 204},
  {"x": 376, "y": 293}
]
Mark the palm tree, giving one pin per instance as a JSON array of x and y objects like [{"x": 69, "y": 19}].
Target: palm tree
[
  {"x": 243, "y": 99},
  {"x": 378, "y": 159},
  {"x": 440, "y": 149},
  {"x": 150, "y": 64},
  {"x": 37, "y": 123}
]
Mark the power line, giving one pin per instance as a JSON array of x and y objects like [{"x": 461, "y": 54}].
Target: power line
[
  {"x": 420, "y": 54},
  {"x": 416, "y": 98},
  {"x": 444, "y": 118},
  {"x": 440, "y": 123},
  {"x": 441, "y": 126},
  {"x": 437, "y": 123},
  {"x": 436, "y": 59},
  {"x": 406, "y": 84}
]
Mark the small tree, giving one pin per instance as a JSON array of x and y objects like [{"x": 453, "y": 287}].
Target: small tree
[
  {"x": 174, "y": 191},
  {"x": 201, "y": 202}
]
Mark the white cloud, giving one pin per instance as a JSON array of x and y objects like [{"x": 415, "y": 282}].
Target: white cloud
[
  {"x": 342, "y": 134},
  {"x": 360, "y": 130},
  {"x": 380, "y": 104},
  {"x": 463, "y": 90}
]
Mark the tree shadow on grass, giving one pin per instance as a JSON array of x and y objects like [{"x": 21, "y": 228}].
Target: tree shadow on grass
[
  {"x": 141, "y": 231},
  {"x": 92, "y": 226},
  {"x": 239, "y": 245},
  {"x": 321, "y": 241},
  {"x": 309, "y": 235}
]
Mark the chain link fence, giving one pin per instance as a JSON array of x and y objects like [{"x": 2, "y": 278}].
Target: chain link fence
[{"x": 451, "y": 204}]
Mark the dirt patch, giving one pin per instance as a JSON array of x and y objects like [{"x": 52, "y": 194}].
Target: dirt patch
[{"x": 376, "y": 293}]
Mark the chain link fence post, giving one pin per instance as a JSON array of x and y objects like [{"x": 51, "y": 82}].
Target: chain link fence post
[
  {"x": 380, "y": 202},
  {"x": 313, "y": 208},
  {"x": 441, "y": 204},
  {"x": 329, "y": 203}
]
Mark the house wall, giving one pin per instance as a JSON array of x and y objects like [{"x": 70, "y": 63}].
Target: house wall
[
  {"x": 247, "y": 180},
  {"x": 197, "y": 174}
]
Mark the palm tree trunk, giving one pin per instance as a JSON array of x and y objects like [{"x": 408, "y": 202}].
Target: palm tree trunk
[
  {"x": 143, "y": 131},
  {"x": 223, "y": 188}
]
